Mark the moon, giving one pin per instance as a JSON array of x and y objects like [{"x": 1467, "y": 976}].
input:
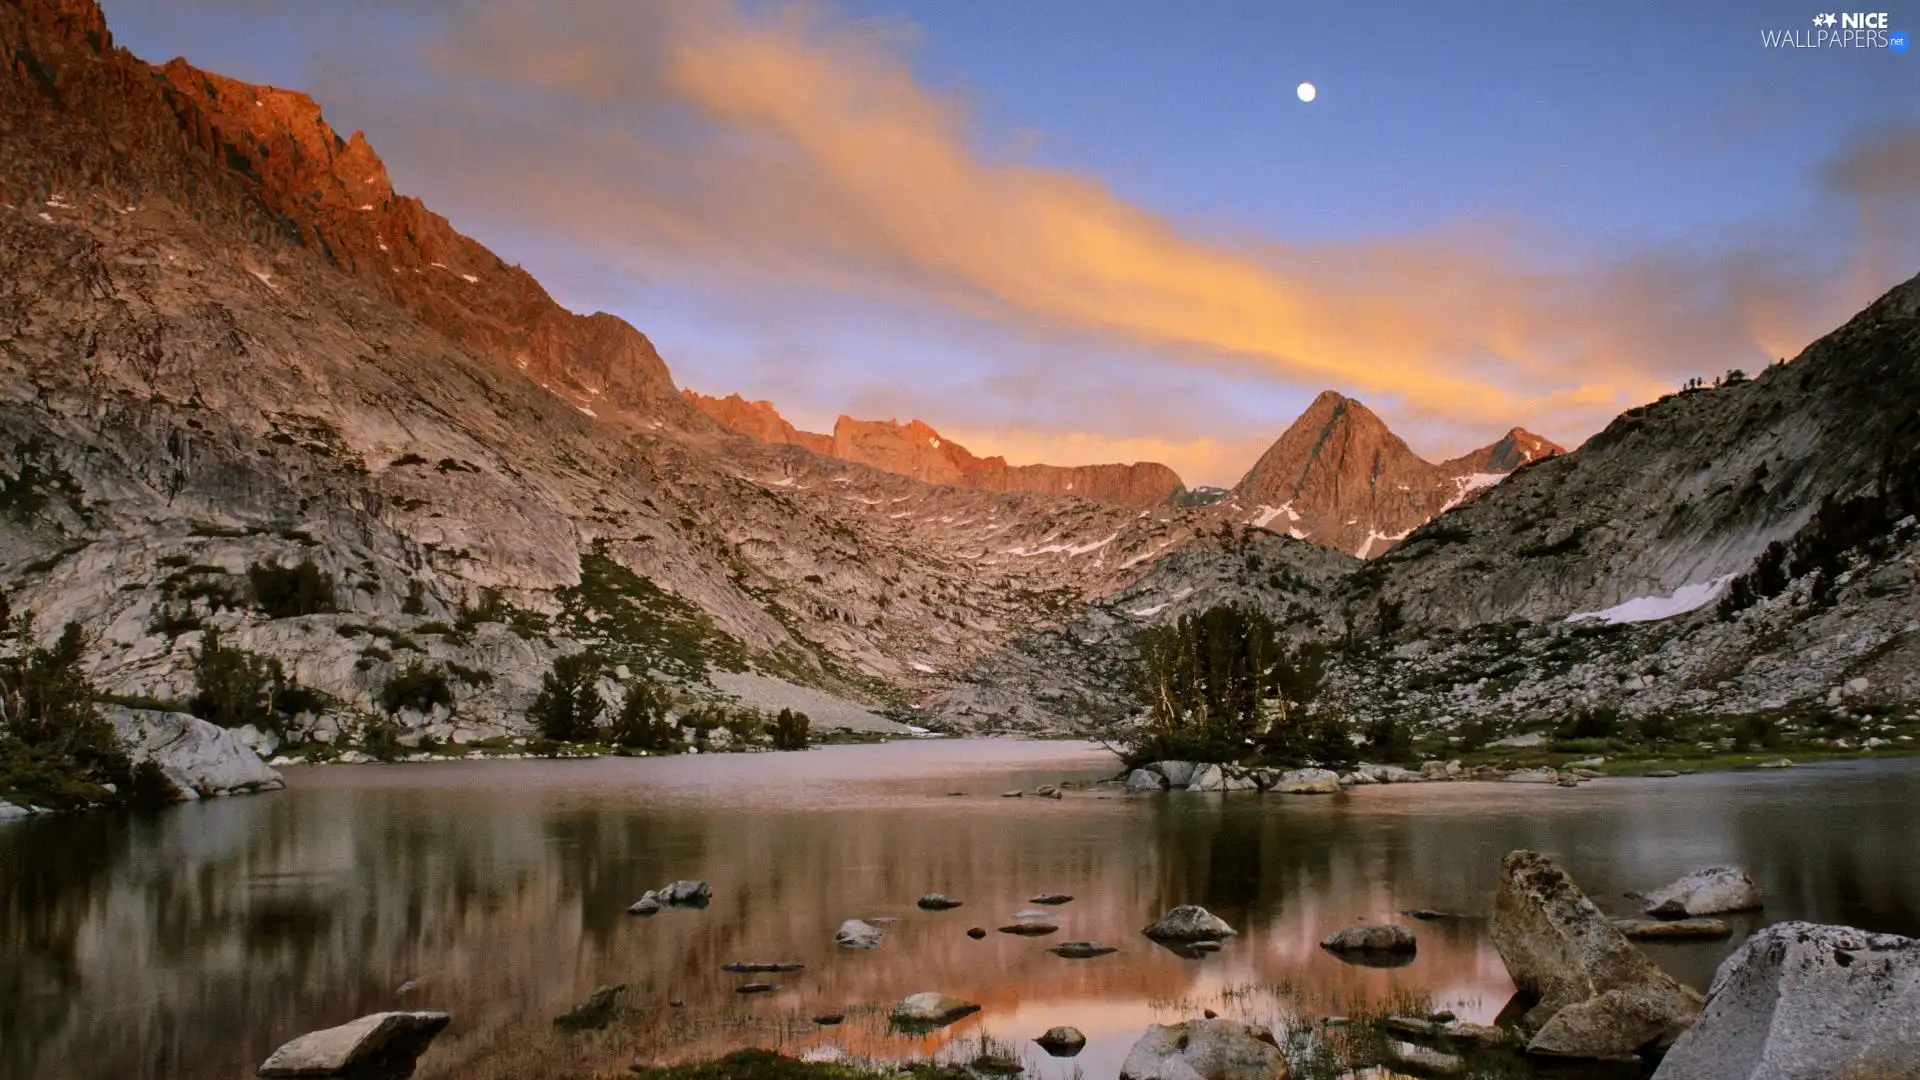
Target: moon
[{"x": 1307, "y": 91}]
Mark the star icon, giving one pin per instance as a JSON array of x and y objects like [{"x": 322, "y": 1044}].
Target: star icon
[{"x": 1829, "y": 19}]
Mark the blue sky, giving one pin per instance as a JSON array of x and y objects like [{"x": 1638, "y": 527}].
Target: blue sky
[{"x": 1082, "y": 232}]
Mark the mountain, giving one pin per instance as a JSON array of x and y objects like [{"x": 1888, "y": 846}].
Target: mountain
[
  {"x": 1340, "y": 478},
  {"x": 227, "y": 346},
  {"x": 916, "y": 450}
]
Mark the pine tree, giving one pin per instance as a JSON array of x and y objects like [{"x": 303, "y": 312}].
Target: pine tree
[{"x": 569, "y": 706}]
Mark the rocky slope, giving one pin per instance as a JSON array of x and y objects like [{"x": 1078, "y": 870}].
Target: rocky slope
[
  {"x": 1339, "y": 477},
  {"x": 916, "y": 450}
]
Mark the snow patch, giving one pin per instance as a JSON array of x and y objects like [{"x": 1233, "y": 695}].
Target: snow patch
[
  {"x": 1070, "y": 549},
  {"x": 265, "y": 279},
  {"x": 1373, "y": 535},
  {"x": 1649, "y": 608},
  {"x": 469, "y": 279},
  {"x": 1149, "y": 612},
  {"x": 588, "y": 411},
  {"x": 1268, "y": 513},
  {"x": 365, "y": 207},
  {"x": 785, "y": 481},
  {"x": 918, "y": 666},
  {"x": 1469, "y": 484}
]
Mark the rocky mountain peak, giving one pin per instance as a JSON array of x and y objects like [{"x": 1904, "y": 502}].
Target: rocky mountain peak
[{"x": 1340, "y": 477}]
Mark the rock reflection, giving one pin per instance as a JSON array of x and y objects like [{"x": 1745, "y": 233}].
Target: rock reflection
[{"x": 193, "y": 943}]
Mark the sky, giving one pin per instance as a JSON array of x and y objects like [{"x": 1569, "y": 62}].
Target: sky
[{"x": 1112, "y": 231}]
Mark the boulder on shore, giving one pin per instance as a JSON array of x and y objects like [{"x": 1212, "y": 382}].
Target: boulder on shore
[
  {"x": 1307, "y": 782},
  {"x": 928, "y": 1010},
  {"x": 1805, "y": 1000},
  {"x": 1189, "y": 922},
  {"x": 389, "y": 1039},
  {"x": 201, "y": 759},
  {"x": 1382, "y": 938},
  {"x": 858, "y": 934},
  {"x": 1212, "y": 1049},
  {"x": 1593, "y": 994},
  {"x": 1716, "y": 890},
  {"x": 1208, "y": 778},
  {"x": 1178, "y": 773},
  {"x": 1140, "y": 780}
]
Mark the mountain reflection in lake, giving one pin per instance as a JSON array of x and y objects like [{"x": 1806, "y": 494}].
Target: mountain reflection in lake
[{"x": 192, "y": 943}]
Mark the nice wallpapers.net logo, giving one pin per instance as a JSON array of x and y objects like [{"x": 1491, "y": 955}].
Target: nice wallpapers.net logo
[{"x": 1840, "y": 30}]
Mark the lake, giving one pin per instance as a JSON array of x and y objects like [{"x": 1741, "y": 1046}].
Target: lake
[{"x": 191, "y": 943}]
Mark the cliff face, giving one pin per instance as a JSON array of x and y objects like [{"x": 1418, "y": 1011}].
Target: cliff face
[
  {"x": 914, "y": 449},
  {"x": 758, "y": 419},
  {"x": 1339, "y": 477},
  {"x": 172, "y": 140}
]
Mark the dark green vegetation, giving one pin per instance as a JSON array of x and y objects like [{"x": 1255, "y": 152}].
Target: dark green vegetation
[
  {"x": 1222, "y": 685},
  {"x": 569, "y": 706},
  {"x": 287, "y": 592},
  {"x": 643, "y": 723},
  {"x": 236, "y": 687},
  {"x": 790, "y": 730},
  {"x": 56, "y": 751},
  {"x": 626, "y": 618},
  {"x": 418, "y": 688}
]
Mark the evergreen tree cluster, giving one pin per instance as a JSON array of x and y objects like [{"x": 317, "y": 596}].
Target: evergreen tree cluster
[{"x": 1221, "y": 683}]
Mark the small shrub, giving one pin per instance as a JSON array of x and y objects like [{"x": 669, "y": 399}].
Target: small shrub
[
  {"x": 235, "y": 687},
  {"x": 287, "y": 592},
  {"x": 790, "y": 730},
  {"x": 417, "y": 688},
  {"x": 569, "y": 706},
  {"x": 1388, "y": 739},
  {"x": 642, "y": 723},
  {"x": 416, "y": 601},
  {"x": 1598, "y": 722}
]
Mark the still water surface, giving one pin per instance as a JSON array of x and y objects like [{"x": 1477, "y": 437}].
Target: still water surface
[{"x": 192, "y": 943}]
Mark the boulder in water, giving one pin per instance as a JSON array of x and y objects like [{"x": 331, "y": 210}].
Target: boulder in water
[
  {"x": 1189, "y": 922},
  {"x": 1054, "y": 898},
  {"x": 388, "y": 1041},
  {"x": 1591, "y": 993},
  {"x": 1030, "y": 929},
  {"x": 1381, "y": 938},
  {"x": 685, "y": 894},
  {"x": 1208, "y": 778},
  {"x": 1804, "y": 1000},
  {"x": 1673, "y": 929},
  {"x": 1215, "y": 1049},
  {"x": 856, "y": 934},
  {"x": 1716, "y": 890},
  {"x": 928, "y": 1010},
  {"x": 938, "y": 902},
  {"x": 1062, "y": 1041},
  {"x": 201, "y": 759}
]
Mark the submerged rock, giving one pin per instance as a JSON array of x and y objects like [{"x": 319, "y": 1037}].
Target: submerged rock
[
  {"x": 856, "y": 934},
  {"x": 976, "y": 932},
  {"x": 1030, "y": 929},
  {"x": 1382, "y": 938},
  {"x": 1716, "y": 890},
  {"x": 1424, "y": 1059},
  {"x": 1672, "y": 929},
  {"x": 1081, "y": 950},
  {"x": 1801, "y": 1000},
  {"x": 595, "y": 1012},
  {"x": 1592, "y": 993},
  {"x": 1054, "y": 898},
  {"x": 1541, "y": 775},
  {"x": 928, "y": 1010},
  {"x": 1189, "y": 922},
  {"x": 1062, "y": 1041},
  {"x": 387, "y": 1043},
  {"x": 1215, "y": 1049},
  {"x": 762, "y": 967}
]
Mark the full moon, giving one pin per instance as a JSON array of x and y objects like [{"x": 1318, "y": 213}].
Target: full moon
[{"x": 1307, "y": 91}]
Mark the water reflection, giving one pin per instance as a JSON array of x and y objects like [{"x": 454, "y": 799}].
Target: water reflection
[{"x": 193, "y": 943}]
